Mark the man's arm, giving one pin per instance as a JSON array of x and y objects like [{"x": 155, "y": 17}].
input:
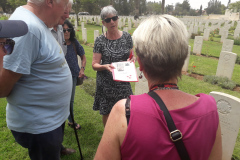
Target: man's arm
[{"x": 7, "y": 81}]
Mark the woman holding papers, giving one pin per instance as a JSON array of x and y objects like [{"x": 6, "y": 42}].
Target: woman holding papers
[
  {"x": 111, "y": 46},
  {"x": 138, "y": 127}
]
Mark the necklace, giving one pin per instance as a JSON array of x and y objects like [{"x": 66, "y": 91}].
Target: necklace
[{"x": 164, "y": 86}]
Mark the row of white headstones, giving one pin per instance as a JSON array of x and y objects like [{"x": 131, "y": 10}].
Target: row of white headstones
[
  {"x": 226, "y": 61},
  {"x": 228, "y": 105}
]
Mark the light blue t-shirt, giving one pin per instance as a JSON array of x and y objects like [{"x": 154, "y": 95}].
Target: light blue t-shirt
[{"x": 39, "y": 101}]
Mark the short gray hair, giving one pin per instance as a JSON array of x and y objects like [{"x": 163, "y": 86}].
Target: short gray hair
[
  {"x": 107, "y": 11},
  {"x": 161, "y": 43},
  {"x": 40, "y": 2},
  {"x": 70, "y": 2}
]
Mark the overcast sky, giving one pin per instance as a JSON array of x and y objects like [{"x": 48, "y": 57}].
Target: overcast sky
[{"x": 195, "y": 4}]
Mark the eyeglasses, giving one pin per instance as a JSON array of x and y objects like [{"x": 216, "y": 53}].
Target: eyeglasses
[
  {"x": 8, "y": 46},
  {"x": 69, "y": 30},
  {"x": 107, "y": 20}
]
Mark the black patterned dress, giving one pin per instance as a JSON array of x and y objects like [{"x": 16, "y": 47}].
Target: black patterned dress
[{"x": 108, "y": 92}]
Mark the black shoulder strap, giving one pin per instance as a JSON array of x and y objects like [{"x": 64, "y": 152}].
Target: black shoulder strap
[
  {"x": 127, "y": 109},
  {"x": 175, "y": 134}
]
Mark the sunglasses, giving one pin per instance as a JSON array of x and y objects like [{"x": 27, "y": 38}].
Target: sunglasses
[
  {"x": 8, "y": 46},
  {"x": 69, "y": 30},
  {"x": 107, "y": 20}
]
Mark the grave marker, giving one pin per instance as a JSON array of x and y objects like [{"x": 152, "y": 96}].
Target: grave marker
[
  {"x": 142, "y": 85},
  {"x": 226, "y": 64},
  {"x": 229, "y": 117},
  {"x": 206, "y": 34},
  {"x": 186, "y": 62},
  {"x": 96, "y": 34},
  {"x": 197, "y": 48},
  {"x": 227, "y": 45}
]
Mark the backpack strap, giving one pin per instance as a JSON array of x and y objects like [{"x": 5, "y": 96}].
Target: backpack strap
[
  {"x": 175, "y": 134},
  {"x": 127, "y": 109}
]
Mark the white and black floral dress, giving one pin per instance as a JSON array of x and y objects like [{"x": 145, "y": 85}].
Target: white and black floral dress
[{"x": 108, "y": 92}]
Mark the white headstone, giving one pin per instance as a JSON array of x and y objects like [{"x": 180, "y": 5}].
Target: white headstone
[
  {"x": 142, "y": 85},
  {"x": 201, "y": 28},
  {"x": 229, "y": 117},
  {"x": 76, "y": 24},
  {"x": 84, "y": 35},
  {"x": 125, "y": 29},
  {"x": 206, "y": 34},
  {"x": 96, "y": 34},
  {"x": 129, "y": 25},
  {"x": 236, "y": 33},
  {"x": 186, "y": 62},
  {"x": 82, "y": 25},
  {"x": 104, "y": 29},
  {"x": 197, "y": 48},
  {"x": 195, "y": 29},
  {"x": 226, "y": 64},
  {"x": 224, "y": 35},
  {"x": 227, "y": 45}
]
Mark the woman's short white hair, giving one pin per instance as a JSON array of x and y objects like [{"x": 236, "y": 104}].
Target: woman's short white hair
[
  {"x": 161, "y": 43},
  {"x": 107, "y": 11},
  {"x": 40, "y": 2}
]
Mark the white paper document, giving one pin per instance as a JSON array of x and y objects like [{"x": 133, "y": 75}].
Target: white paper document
[{"x": 124, "y": 71}]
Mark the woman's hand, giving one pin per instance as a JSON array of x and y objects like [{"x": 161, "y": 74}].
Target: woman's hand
[
  {"x": 109, "y": 67},
  {"x": 132, "y": 60},
  {"x": 81, "y": 73},
  {"x": 131, "y": 56}
]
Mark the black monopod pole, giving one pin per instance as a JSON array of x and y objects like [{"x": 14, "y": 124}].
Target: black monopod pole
[{"x": 75, "y": 130}]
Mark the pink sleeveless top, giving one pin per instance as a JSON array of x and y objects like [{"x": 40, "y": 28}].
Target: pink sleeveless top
[{"x": 147, "y": 136}]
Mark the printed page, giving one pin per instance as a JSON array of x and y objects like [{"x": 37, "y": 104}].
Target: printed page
[{"x": 124, "y": 71}]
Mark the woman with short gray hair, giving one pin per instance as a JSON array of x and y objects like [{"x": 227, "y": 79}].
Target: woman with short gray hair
[
  {"x": 137, "y": 127},
  {"x": 112, "y": 46}
]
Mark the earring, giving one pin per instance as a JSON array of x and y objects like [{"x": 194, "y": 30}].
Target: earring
[{"x": 140, "y": 76}]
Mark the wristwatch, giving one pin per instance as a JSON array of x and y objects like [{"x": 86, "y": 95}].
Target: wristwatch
[{"x": 83, "y": 68}]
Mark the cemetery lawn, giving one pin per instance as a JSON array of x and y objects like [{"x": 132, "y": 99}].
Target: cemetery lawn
[
  {"x": 213, "y": 48},
  {"x": 91, "y": 121}
]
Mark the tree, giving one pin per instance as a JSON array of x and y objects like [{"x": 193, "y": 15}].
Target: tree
[
  {"x": 235, "y": 6},
  {"x": 178, "y": 9},
  {"x": 169, "y": 9},
  {"x": 186, "y": 5},
  {"x": 122, "y": 7},
  {"x": 142, "y": 8},
  {"x": 214, "y": 7},
  {"x": 9, "y": 6},
  {"x": 154, "y": 8},
  {"x": 200, "y": 10},
  {"x": 163, "y": 5},
  {"x": 192, "y": 12},
  {"x": 228, "y": 3}
]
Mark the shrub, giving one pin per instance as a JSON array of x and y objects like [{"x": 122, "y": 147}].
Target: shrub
[
  {"x": 216, "y": 31},
  {"x": 210, "y": 79},
  {"x": 211, "y": 37},
  {"x": 237, "y": 41},
  {"x": 3, "y": 18},
  {"x": 89, "y": 85},
  {"x": 232, "y": 28},
  {"x": 193, "y": 35},
  {"x": 223, "y": 82},
  {"x": 238, "y": 60}
]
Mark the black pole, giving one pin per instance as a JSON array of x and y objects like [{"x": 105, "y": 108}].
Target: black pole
[{"x": 79, "y": 148}]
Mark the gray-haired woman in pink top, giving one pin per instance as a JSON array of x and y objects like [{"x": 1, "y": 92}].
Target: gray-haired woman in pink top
[{"x": 161, "y": 44}]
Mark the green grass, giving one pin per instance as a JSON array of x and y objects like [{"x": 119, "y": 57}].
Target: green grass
[
  {"x": 213, "y": 48},
  {"x": 208, "y": 66}
]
